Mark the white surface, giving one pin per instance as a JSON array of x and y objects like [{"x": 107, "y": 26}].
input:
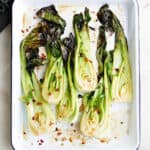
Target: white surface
[
  {"x": 129, "y": 21},
  {"x": 145, "y": 80}
]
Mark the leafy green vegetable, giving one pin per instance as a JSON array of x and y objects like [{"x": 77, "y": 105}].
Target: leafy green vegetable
[
  {"x": 38, "y": 111},
  {"x": 50, "y": 13},
  {"x": 68, "y": 106},
  {"x": 95, "y": 118},
  {"x": 85, "y": 77},
  {"x": 121, "y": 69},
  {"x": 53, "y": 87}
]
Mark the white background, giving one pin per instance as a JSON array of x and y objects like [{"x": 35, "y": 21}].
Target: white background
[{"x": 5, "y": 63}]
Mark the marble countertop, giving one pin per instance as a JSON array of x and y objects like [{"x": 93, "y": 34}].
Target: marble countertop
[{"x": 5, "y": 56}]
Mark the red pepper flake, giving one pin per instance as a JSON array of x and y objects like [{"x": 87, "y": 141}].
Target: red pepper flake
[
  {"x": 33, "y": 118},
  {"x": 49, "y": 93},
  {"x": 38, "y": 103},
  {"x": 27, "y": 30},
  {"x": 64, "y": 139},
  {"x": 34, "y": 17},
  {"x": 59, "y": 77},
  {"x": 59, "y": 133},
  {"x": 51, "y": 123},
  {"x": 40, "y": 144},
  {"x": 41, "y": 141},
  {"x": 72, "y": 124},
  {"x": 33, "y": 100},
  {"x": 70, "y": 139},
  {"x": 104, "y": 140},
  {"x": 81, "y": 109},
  {"x": 57, "y": 90},
  {"x": 43, "y": 56},
  {"x": 83, "y": 141},
  {"x": 22, "y": 31},
  {"x": 24, "y": 133},
  {"x": 27, "y": 103},
  {"x": 87, "y": 60}
]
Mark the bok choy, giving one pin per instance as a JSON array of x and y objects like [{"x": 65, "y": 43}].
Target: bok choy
[
  {"x": 38, "y": 111},
  {"x": 85, "y": 77},
  {"x": 95, "y": 118},
  {"x": 68, "y": 106},
  {"x": 121, "y": 69},
  {"x": 53, "y": 87}
]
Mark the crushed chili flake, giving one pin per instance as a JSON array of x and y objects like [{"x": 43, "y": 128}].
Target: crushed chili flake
[
  {"x": 40, "y": 144},
  {"x": 27, "y": 103},
  {"x": 34, "y": 17},
  {"x": 81, "y": 109},
  {"x": 64, "y": 139},
  {"x": 104, "y": 140},
  {"x": 59, "y": 77},
  {"x": 22, "y": 31},
  {"x": 59, "y": 133},
  {"x": 33, "y": 118},
  {"x": 57, "y": 90},
  {"x": 87, "y": 60},
  {"x": 51, "y": 123},
  {"x": 49, "y": 93},
  {"x": 41, "y": 141},
  {"x": 74, "y": 130},
  {"x": 70, "y": 139},
  {"x": 83, "y": 141},
  {"x": 38, "y": 103},
  {"x": 27, "y": 30},
  {"x": 117, "y": 70},
  {"x": 43, "y": 56},
  {"x": 33, "y": 100},
  {"x": 72, "y": 124}
]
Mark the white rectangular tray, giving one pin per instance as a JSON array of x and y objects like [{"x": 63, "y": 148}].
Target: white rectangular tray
[{"x": 22, "y": 17}]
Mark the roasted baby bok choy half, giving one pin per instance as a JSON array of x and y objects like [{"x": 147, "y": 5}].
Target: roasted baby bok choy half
[
  {"x": 68, "y": 107},
  {"x": 47, "y": 31},
  {"x": 53, "y": 87},
  {"x": 38, "y": 111},
  {"x": 121, "y": 89},
  {"x": 85, "y": 77},
  {"x": 95, "y": 118}
]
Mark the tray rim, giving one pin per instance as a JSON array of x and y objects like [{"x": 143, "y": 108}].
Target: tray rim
[{"x": 137, "y": 8}]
